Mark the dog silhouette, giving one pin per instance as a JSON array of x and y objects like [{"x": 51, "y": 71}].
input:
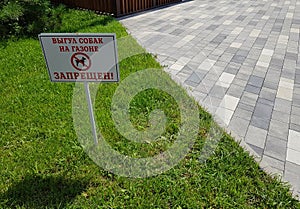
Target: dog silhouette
[{"x": 80, "y": 61}]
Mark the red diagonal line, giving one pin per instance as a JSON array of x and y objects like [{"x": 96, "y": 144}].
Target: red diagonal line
[{"x": 80, "y": 62}]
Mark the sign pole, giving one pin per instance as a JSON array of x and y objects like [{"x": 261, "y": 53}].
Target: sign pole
[{"x": 91, "y": 112}]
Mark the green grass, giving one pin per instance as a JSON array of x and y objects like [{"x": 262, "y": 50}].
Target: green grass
[{"x": 42, "y": 165}]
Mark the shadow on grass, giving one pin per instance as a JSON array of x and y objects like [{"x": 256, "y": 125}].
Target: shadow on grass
[{"x": 42, "y": 192}]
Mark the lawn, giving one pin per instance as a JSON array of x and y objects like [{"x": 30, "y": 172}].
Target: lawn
[{"x": 42, "y": 164}]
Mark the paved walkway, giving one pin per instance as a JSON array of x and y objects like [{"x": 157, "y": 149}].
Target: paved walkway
[{"x": 240, "y": 59}]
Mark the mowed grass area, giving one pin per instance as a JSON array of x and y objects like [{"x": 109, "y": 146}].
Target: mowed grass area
[{"x": 42, "y": 165}]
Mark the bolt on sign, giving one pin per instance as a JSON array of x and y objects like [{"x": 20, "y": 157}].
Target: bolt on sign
[{"x": 80, "y": 57}]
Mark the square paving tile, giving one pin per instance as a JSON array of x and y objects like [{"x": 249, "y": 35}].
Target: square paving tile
[
  {"x": 276, "y": 148},
  {"x": 283, "y": 105},
  {"x": 273, "y": 162},
  {"x": 293, "y": 156},
  {"x": 279, "y": 129},
  {"x": 263, "y": 111},
  {"x": 292, "y": 167},
  {"x": 229, "y": 102},
  {"x": 218, "y": 91},
  {"x": 225, "y": 80},
  {"x": 294, "y": 140},
  {"x": 256, "y": 136},
  {"x": 239, "y": 126},
  {"x": 256, "y": 81},
  {"x": 252, "y": 89},
  {"x": 280, "y": 116},
  {"x": 224, "y": 114},
  {"x": 207, "y": 64},
  {"x": 285, "y": 93},
  {"x": 259, "y": 122}
]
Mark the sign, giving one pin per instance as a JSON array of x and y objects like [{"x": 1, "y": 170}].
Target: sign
[{"x": 81, "y": 57}]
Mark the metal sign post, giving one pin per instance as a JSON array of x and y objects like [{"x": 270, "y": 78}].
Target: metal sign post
[
  {"x": 81, "y": 58},
  {"x": 91, "y": 111}
]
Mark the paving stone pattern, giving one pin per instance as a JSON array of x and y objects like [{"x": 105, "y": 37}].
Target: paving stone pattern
[{"x": 240, "y": 60}]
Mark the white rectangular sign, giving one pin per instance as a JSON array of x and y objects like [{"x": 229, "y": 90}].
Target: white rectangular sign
[{"x": 81, "y": 57}]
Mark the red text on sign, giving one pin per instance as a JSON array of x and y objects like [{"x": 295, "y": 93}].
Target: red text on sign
[
  {"x": 79, "y": 49},
  {"x": 96, "y": 76},
  {"x": 80, "y": 40}
]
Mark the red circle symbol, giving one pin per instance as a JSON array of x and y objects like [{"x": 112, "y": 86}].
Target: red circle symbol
[{"x": 81, "y": 61}]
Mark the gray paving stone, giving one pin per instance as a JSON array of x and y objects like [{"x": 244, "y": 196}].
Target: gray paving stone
[
  {"x": 260, "y": 41},
  {"x": 246, "y": 106},
  {"x": 256, "y": 149},
  {"x": 241, "y": 79},
  {"x": 244, "y": 69},
  {"x": 295, "y": 110},
  {"x": 256, "y": 81},
  {"x": 273, "y": 162},
  {"x": 293, "y": 178},
  {"x": 219, "y": 39},
  {"x": 263, "y": 111},
  {"x": 212, "y": 27},
  {"x": 212, "y": 103},
  {"x": 292, "y": 56},
  {"x": 292, "y": 167},
  {"x": 238, "y": 59},
  {"x": 243, "y": 53},
  {"x": 270, "y": 85},
  {"x": 204, "y": 88},
  {"x": 242, "y": 113},
  {"x": 239, "y": 126},
  {"x": 193, "y": 66},
  {"x": 252, "y": 89},
  {"x": 260, "y": 122},
  {"x": 212, "y": 76},
  {"x": 280, "y": 116},
  {"x": 232, "y": 70},
  {"x": 176, "y": 32},
  {"x": 241, "y": 17},
  {"x": 218, "y": 91},
  {"x": 296, "y": 102},
  {"x": 296, "y": 95},
  {"x": 195, "y": 78},
  {"x": 265, "y": 101},
  {"x": 235, "y": 90},
  {"x": 199, "y": 97},
  {"x": 297, "y": 78},
  {"x": 283, "y": 105},
  {"x": 268, "y": 94},
  {"x": 295, "y": 119},
  {"x": 279, "y": 129},
  {"x": 273, "y": 76},
  {"x": 232, "y": 50},
  {"x": 259, "y": 72},
  {"x": 288, "y": 75},
  {"x": 190, "y": 83},
  {"x": 254, "y": 53},
  {"x": 276, "y": 148},
  {"x": 256, "y": 136},
  {"x": 249, "y": 62}
]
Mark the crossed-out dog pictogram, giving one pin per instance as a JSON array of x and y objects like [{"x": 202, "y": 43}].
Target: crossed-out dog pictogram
[{"x": 81, "y": 61}]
